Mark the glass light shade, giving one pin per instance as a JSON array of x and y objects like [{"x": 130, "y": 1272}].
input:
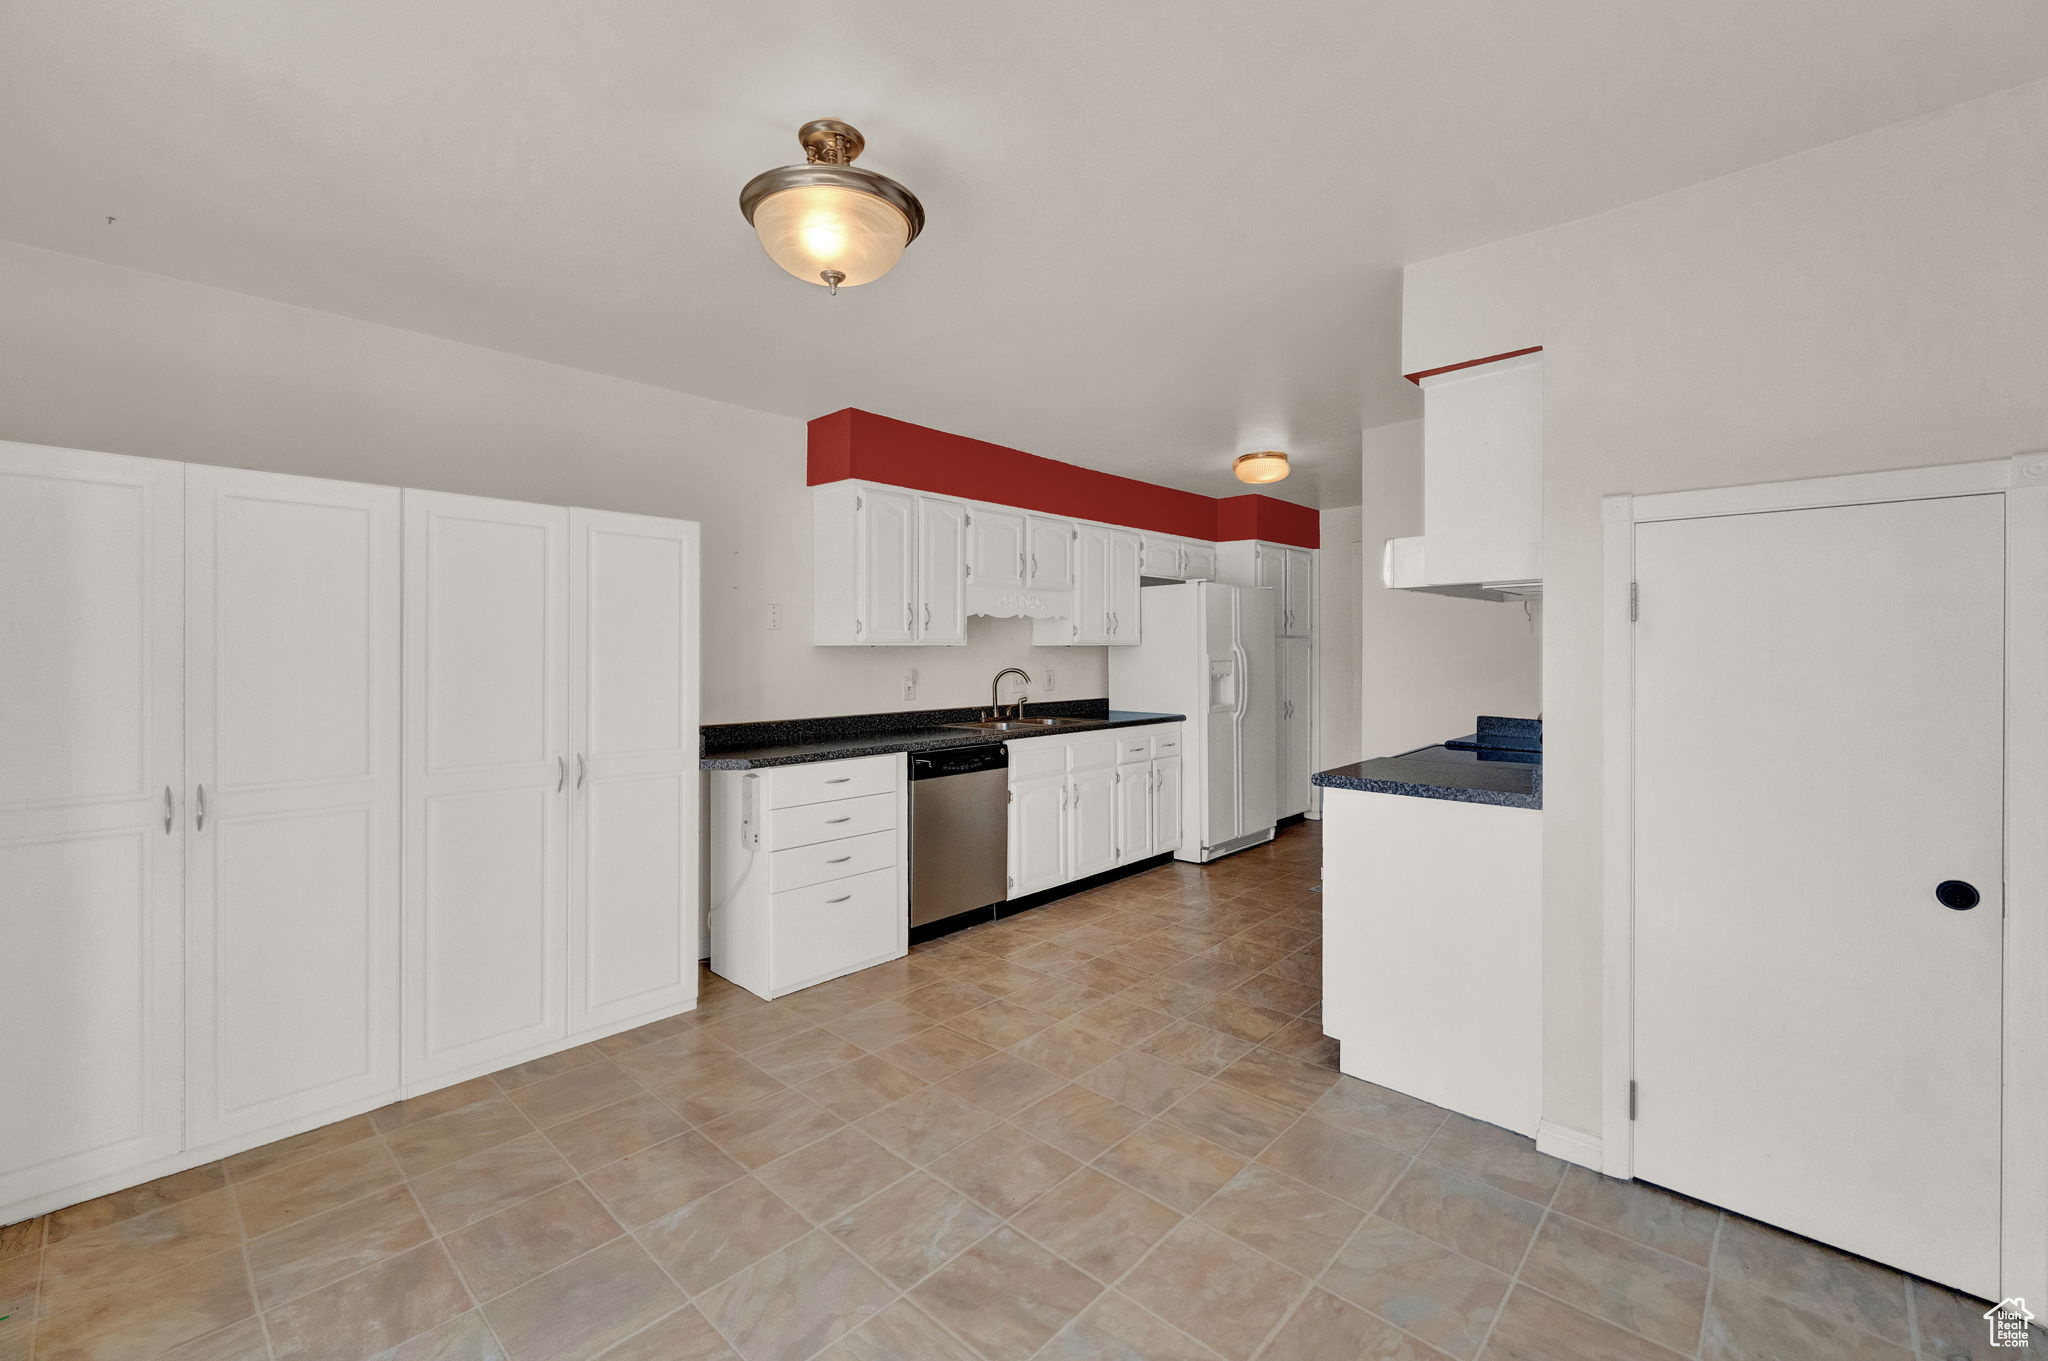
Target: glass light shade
[
  {"x": 1267, "y": 466},
  {"x": 817, "y": 227}
]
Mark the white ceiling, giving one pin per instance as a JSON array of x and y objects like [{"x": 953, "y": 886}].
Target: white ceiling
[{"x": 1160, "y": 233}]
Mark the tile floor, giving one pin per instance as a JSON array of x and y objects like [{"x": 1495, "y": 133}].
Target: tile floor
[{"x": 1108, "y": 1128}]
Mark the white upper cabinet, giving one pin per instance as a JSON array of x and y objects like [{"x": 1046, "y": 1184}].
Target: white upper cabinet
[
  {"x": 1049, "y": 549},
  {"x": 1198, "y": 561},
  {"x": 891, "y": 566},
  {"x": 292, "y": 753},
  {"x": 1298, "y": 594},
  {"x": 1482, "y": 480},
  {"x": 633, "y": 667},
  {"x": 887, "y": 556},
  {"x": 1126, "y": 553},
  {"x": 941, "y": 595},
  {"x": 997, "y": 554},
  {"x": 1162, "y": 557},
  {"x": 93, "y": 804}
]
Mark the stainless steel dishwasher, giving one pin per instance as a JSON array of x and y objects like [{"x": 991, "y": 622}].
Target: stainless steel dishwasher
[{"x": 959, "y": 831}]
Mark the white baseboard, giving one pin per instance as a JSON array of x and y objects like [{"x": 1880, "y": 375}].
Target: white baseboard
[{"x": 1572, "y": 1145}]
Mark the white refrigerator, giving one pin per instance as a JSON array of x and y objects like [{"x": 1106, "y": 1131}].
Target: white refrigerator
[{"x": 1206, "y": 650}]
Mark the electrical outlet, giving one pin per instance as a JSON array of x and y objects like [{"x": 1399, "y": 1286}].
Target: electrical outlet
[
  {"x": 1051, "y": 681},
  {"x": 909, "y": 686},
  {"x": 775, "y": 616}
]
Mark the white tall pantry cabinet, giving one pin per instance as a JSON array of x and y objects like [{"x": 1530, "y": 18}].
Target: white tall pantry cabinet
[
  {"x": 292, "y": 756},
  {"x": 318, "y": 794}
]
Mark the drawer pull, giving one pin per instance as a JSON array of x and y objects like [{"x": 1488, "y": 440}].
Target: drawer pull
[
  {"x": 840, "y": 899},
  {"x": 833, "y": 822},
  {"x": 840, "y": 861},
  {"x": 841, "y": 780}
]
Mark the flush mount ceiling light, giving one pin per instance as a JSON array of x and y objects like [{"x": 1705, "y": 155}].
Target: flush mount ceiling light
[
  {"x": 1268, "y": 465},
  {"x": 826, "y": 222}
]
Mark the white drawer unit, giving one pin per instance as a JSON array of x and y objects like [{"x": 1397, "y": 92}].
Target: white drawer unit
[
  {"x": 802, "y": 866},
  {"x": 1090, "y": 802},
  {"x": 834, "y": 820},
  {"x": 809, "y": 871},
  {"x": 822, "y": 780}
]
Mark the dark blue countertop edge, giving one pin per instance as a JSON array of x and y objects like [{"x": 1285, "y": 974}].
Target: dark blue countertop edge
[
  {"x": 924, "y": 737},
  {"x": 1501, "y": 765}
]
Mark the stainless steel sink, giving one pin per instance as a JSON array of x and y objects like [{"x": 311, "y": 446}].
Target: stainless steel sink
[{"x": 1018, "y": 724}]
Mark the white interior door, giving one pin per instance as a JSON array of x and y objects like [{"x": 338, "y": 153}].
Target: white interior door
[
  {"x": 941, "y": 571},
  {"x": 292, "y": 731},
  {"x": 1818, "y": 745},
  {"x": 633, "y": 726},
  {"x": 91, "y": 862},
  {"x": 486, "y": 754}
]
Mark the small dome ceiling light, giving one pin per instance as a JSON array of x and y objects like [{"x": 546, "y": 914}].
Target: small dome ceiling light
[
  {"x": 826, "y": 222},
  {"x": 1268, "y": 465}
]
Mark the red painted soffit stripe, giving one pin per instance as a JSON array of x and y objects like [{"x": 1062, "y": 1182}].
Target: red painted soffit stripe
[
  {"x": 860, "y": 444},
  {"x": 1421, "y": 374}
]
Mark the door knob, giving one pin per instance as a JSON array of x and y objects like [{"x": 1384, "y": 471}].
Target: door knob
[{"x": 1957, "y": 896}]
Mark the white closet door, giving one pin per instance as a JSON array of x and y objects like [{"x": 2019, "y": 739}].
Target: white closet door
[
  {"x": 487, "y": 776},
  {"x": 1819, "y": 746},
  {"x": 292, "y": 731},
  {"x": 633, "y": 728},
  {"x": 91, "y": 614}
]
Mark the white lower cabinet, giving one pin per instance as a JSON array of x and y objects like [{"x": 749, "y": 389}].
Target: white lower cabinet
[
  {"x": 809, "y": 871},
  {"x": 282, "y": 839},
  {"x": 1296, "y": 757},
  {"x": 1038, "y": 833},
  {"x": 1166, "y": 829},
  {"x": 1086, "y": 804}
]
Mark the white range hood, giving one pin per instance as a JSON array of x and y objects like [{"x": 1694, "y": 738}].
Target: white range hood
[{"x": 1482, "y": 484}]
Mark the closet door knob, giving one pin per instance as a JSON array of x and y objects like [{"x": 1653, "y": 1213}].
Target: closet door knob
[{"x": 1956, "y": 895}]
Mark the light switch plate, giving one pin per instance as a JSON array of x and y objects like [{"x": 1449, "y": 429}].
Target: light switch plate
[
  {"x": 909, "y": 685},
  {"x": 775, "y": 616}
]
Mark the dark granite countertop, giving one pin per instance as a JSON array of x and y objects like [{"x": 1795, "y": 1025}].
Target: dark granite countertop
[
  {"x": 1465, "y": 770},
  {"x": 755, "y": 746}
]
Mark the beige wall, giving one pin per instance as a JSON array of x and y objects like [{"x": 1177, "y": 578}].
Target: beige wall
[
  {"x": 97, "y": 357},
  {"x": 1876, "y": 303},
  {"x": 1430, "y": 664},
  {"x": 1337, "y": 638}
]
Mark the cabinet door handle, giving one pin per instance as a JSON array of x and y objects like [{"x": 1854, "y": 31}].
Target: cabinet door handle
[
  {"x": 1020, "y": 563},
  {"x": 840, "y": 899},
  {"x": 927, "y": 617},
  {"x": 561, "y": 774},
  {"x": 167, "y": 810},
  {"x": 840, "y": 861},
  {"x": 834, "y": 822},
  {"x": 582, "y": 769},
  {"x": 1034, "y": 566},
  {"x": 200, "y": 825},
  {"x": 910, "y": 616}
]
